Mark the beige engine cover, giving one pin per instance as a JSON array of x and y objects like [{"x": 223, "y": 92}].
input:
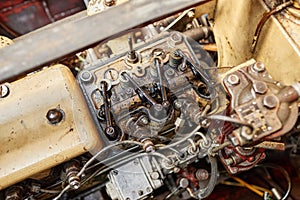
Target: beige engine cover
[{"x": 29, "y": 143}]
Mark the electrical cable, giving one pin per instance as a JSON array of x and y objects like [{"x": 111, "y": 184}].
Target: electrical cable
[
  {"x": 241, "y": 185},
  {"x": 284, "y": 173},
  {"x": 263, "y": 20},
  {"x": 249, "y": 186},
  {"x": 93, "y": 159}
]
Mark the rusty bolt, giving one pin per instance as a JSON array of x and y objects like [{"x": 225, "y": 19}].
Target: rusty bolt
[
  {"x": 270, "y": 101},
  {"x": 258, "y": 67},
  {"x": 260, "y": 87},
  {"x": 233, "y": 79},
  {"x": 202, "y": 174}
]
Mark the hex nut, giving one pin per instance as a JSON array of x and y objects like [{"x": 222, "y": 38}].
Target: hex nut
[
  {"x": 233, "y": 79},
  {"x": 260, "y": 87},
  {"x": 258, "y": 67},
  {"x": 270, "y": 101}
]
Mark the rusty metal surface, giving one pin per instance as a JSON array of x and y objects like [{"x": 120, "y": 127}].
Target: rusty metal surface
[{"x": 63, "y": 39}]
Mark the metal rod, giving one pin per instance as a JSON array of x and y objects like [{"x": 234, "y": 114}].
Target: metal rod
[
  {"x": 140, "y": 90},
  {"x": 61, "y": 39},
  {"x": 164, "y": 97}
]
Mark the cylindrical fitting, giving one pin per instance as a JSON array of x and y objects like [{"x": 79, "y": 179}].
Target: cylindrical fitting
[{"x": 72, "y": 168}]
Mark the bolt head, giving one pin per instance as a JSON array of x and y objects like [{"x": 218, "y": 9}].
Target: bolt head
[
  {"x": 260, "y": 87},
  {"x": 233, "y": 79},
  {"x": 75, "y": 184},
  {"x": 270, "y": 101},
  {"x": 184, "y": 183},
  {"x": 202, "y": 174},
  {"x": 86, "y": 76},
  {"x": 258, "y": 67},
  {"x": 55, "y": 115},
  {"x": 154, "y": 175}
]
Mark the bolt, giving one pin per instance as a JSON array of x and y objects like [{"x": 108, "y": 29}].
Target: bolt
[
  {"x": 55, "y": 116},
  {"x": 176, "y": 170},
  {"x": 270, "y": 101},
  {"x": 140, "y": 192},
  {"x": 4, "y": 91},
  {"x": 109, "y": 2},
  {"x": 176, "y": 38},
  {"x": 233, "y": 79},
  {"x": 183, "y": 183},
  {"x": 258, "y": 67},
  {"x": 177, "y": 104},
  {"x": 129, "y": 91},
  {"x": 170, "y": 73},
  {"x": 86, "y": 76},
  {"x": 202, "y": 174},
  {"x": 144, "y": 120},
  {"x": 154, "y": 175},
  {"x": 246, "y": 133},
  {"x": 75, "y": 184},
  {"x": 260, "y": 87},
  {"x": 148, "y": 189}
]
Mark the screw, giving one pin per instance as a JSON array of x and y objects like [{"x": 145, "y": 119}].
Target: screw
[
  {"x": 258, "y": 67},
  {"x": 270, "y": 101},
  {"x": 260, "y": 87},
  {"x": 55, "y": 115},
  {"x": 4, "y": 91},
  {"x": 233, "y": 79}
]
